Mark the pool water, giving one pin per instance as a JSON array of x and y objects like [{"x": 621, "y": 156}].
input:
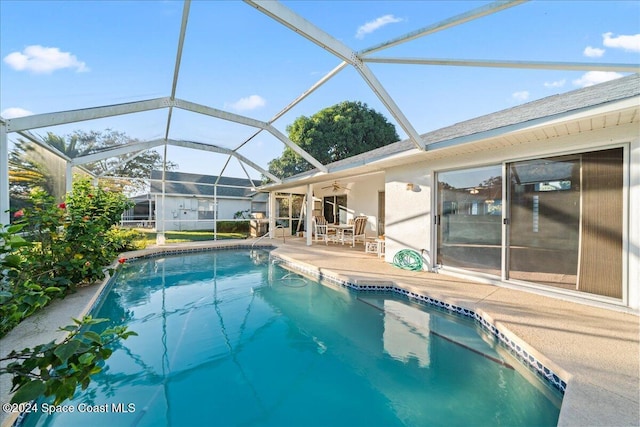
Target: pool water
[{"x": 227, "y": 338}]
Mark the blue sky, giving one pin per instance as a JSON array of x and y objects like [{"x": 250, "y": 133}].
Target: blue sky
[{"x": 69, "y": 55}]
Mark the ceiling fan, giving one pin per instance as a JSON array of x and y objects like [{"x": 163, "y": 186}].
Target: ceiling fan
[{"x": 335, "y": 186}]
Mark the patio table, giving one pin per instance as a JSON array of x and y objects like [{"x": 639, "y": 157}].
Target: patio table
[{"x": 339, "y": 229}]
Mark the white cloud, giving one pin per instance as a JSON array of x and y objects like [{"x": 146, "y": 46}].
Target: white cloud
[
  {"x": 376, "y": 24},
  {"x": 249, "y": 103},
  {"x": 630, "y": 42},
  {"x": 594, "y": 77},
  {"x": 14, "y": 112},
  {"x": 558, "y": 83},
  {"x": 593, "y": 52},
  {"x": 520, "y": 96},
  {"x": 39, "y": 59}
]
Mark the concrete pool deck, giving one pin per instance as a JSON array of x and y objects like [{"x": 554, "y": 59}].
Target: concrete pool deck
[{"x": 596, "y": 350}]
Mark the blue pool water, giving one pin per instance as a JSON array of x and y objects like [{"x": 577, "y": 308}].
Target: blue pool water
[{"x": 227, "y": 338}]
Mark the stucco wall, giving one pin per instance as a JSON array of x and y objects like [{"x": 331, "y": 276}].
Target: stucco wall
[{"x": 408, "y": 211}]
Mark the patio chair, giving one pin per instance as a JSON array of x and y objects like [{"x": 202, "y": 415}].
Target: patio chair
[
  {"x": 357, "y": 231},
  {"x": 320, "y": 231}
]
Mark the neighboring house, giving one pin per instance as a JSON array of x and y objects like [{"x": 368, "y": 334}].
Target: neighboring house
[
  {"x": 543, "y": 196},
  {"x": 193, "y": 201}
]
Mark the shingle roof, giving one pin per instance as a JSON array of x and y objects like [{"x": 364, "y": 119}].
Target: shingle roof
[
  {"x": 200, "y": 185},
  {"x": 588, "y": 97}
]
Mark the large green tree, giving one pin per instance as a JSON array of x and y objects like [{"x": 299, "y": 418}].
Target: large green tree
[{"x": 334, "y": 133}]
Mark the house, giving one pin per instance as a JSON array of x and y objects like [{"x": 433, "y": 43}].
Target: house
[
  {"x": 542, "y": 196},
  {"x": 195, "y": 202}
]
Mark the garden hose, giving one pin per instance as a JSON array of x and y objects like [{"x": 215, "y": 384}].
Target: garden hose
[{"x": 408, "y": 259}]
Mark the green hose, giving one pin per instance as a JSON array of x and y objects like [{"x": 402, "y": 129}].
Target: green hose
[{"x": 408, "y": 259}]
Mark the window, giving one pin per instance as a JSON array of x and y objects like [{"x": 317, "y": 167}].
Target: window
[{"x": 206, "y": 209}]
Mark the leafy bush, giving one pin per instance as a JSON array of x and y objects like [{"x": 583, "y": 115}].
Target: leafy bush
[
  {"x": 18, "y": 302},
  {"x": 57, "y": 369},
  {"x": 70, "y": 244},
  {"x": 125, "y": 239}
]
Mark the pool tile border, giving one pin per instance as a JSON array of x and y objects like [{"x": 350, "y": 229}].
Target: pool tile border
[{"x": 515, "y": 347}]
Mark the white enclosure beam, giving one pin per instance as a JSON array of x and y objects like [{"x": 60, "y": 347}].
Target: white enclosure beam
[
  {"x": 216, "y": 149},
  {"x": 540, "y": 65},
  {"x": 308, "y": 30},
  {"x": 236, "y": 118},
  {"x": 199, "y": 146},
  {"x": 295, "y": 147},
  {"x": 395, "y": 111},
  {"x": 253, "y": 184},
  {"x": 299, "y": 99},
  {"x": 121, "y": 162},
  {"x": 309, "y": 91},
  {"x": 53, "y": 119},
  {"x": 220, "y": 114},
  {"x": 176, "y": 70},
  {"x": 256, "y": 167},
  {"x": 183, "y": 31},
  {"x": 226, "y": 163},
  {"x": 470, "y": 15},
  {"x": 115, "y": 152},
  {"x": 301, "y": 26},
  {"x": 38, "y": 141}
]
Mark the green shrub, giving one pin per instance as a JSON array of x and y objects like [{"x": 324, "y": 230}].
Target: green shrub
[
  {"x": 69, "y": 244},
  {"x": 125, "y": 239},
  {"x": 233, "y": 227}
]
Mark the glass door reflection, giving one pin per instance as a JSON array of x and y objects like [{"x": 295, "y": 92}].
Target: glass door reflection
[
  {"x": 544, "y": 221},
  {"x": 469, "y": 219}
]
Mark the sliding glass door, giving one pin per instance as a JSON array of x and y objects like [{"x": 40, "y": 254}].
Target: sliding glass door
[
  {"x": 468, "y": 219},
  {"x": 562, "y": 224},
  {"x": 544, "y": 221}
]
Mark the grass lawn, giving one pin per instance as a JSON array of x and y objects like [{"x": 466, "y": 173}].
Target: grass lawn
[{"x": 186, "y": 236}]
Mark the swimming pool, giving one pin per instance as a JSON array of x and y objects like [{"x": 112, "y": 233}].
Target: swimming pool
[{"x": 228, "y": 338}]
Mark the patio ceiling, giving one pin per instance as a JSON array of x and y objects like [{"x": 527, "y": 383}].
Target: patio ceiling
[{"x": 172, "y": 106}]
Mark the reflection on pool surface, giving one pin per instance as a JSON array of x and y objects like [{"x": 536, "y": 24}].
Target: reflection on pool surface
[{"x": 228, "y": 339}]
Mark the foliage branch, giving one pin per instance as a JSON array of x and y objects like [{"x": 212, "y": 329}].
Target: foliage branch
[{"x": 56, "y": 369}]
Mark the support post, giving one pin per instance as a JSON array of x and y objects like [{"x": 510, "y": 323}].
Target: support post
[
  {"x": 272, "y": 218},
  {"x": 160, "y": 238},
  {"x": 215, "y": 211},
  {"x": 308, "y": 220}
]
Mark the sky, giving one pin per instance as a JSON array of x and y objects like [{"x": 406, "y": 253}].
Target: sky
[{"x": 68, "y": 55}]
